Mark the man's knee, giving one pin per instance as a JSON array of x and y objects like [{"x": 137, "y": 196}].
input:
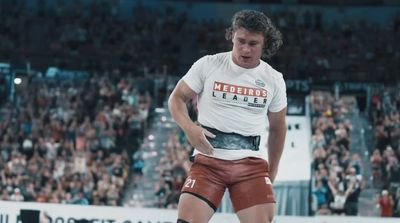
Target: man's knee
[{"x": 182, "y": 221}]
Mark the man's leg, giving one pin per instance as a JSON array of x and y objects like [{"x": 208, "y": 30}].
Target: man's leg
[
  {"x": 202, "y": 191},
  {"x": 193, "y": 209},
  {"x": 251, "y": 191},
  {"x": 261, "y": 213}
]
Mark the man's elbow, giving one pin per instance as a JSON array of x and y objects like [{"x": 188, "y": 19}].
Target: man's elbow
[{"x": 171, "y": 99}]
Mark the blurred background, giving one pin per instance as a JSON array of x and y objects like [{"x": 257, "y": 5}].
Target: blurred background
[{"x": 84, "y": 84}]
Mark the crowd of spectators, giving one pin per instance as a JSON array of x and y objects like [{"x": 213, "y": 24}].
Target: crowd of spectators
[
  {"x": 173, "y": 168},
  {"x": 337, "y": 171},
  {"x": 321, "y": 50},
  {"x": 96, "y": 35},
  {"x": 71, "y": 140},
  {"x": 385, "y": 112}
]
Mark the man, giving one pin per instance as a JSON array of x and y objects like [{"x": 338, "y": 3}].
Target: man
[
  {"x": 235, "y": 91},
  {"x": 385, "y": 202}
]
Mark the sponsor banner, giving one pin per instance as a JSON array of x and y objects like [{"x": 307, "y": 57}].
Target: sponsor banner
[
  {"x": 344, "y": 219},
  {"x": 60, "y": 213},
  {"x": 334, "y": 219},
  {"x": 55, "y": 72},
  {"x": 298, "y": 86},
  {"x": 354, "y": 87}
]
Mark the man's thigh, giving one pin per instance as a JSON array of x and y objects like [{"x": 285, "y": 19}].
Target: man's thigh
[
  {"x": 262, "y": 213},
  {"x": 251, "y": 185},
  {"x": 193, "y": 209},
  {"x": 205, "y": 183}
]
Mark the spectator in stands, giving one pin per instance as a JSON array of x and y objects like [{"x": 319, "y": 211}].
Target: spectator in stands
[
  {"x": 355, "y": 180},
  {"x": 356, "y": 164},
  {"x": 385, "y": 203},
  {"x": 376, "y": 165},
  {"x": 340, "y": 196},
  {"x": 80, "y": 199},
  {"x": 318, "y": 139},
  {"x": 5, "y": 196},
  {"x": 30, "y": 193},
  {"x": 321, "y": 193},
  {"x": 393, "y": 169},
  {"x": 17, "y": 196}
]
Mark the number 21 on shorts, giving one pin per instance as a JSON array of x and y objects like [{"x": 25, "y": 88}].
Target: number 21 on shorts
[{"x": 190, "y": 183}]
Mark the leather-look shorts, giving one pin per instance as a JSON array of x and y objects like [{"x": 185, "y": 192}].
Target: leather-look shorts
[{"x": 247, "y": 180}]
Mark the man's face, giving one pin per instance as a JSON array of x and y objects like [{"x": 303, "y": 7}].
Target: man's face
[{"x": 247, "y": 48}]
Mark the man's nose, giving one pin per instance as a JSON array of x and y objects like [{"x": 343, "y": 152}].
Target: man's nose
[{"x": 246, "y": 48}]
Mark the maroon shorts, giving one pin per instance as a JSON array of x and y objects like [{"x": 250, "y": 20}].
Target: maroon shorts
[{"x": 246, "y": 179}]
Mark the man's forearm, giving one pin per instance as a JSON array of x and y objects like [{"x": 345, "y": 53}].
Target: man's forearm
[
  {"x": 276, "y": 141},
  {"x": 179, "y": 112}
]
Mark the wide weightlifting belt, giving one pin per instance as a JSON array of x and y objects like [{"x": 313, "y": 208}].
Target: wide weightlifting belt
[{"x": 232, "y": 141}]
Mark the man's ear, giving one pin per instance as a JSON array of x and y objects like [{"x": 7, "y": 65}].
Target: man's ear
[{"x": 232, "y": 36}]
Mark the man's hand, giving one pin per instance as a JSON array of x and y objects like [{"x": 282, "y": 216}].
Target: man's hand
[
  {"x": 197, "y": 137},
  {"x": 180, "y": 96},
  {"x": 272, "y": 174}
]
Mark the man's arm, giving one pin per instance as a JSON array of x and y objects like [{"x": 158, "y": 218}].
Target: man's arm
[
  {"x": 180, "y": 96},
  {"x": 276, "y": 140}
]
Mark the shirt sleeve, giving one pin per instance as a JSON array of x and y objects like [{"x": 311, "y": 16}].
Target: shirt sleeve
[
  {"x": 195, "y": 77},
  {"x": 279, "y": 100}
]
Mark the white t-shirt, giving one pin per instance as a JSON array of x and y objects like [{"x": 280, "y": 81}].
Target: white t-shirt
[
  {"x": 339, "y": 201},
  {"x": 235, "y": 99}
]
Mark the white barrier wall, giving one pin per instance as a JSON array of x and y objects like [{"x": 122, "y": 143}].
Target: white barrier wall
[
  {"x": 295, "y": 163},
  {"x": 331, "y": 219},
  {"x": 59, "y": 213}
]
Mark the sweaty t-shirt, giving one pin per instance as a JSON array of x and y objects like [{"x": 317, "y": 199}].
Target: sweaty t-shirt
[{"x": 235, "y": 99}]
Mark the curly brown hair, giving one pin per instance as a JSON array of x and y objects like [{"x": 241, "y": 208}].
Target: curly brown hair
[{"x": 255, "y": 21}]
